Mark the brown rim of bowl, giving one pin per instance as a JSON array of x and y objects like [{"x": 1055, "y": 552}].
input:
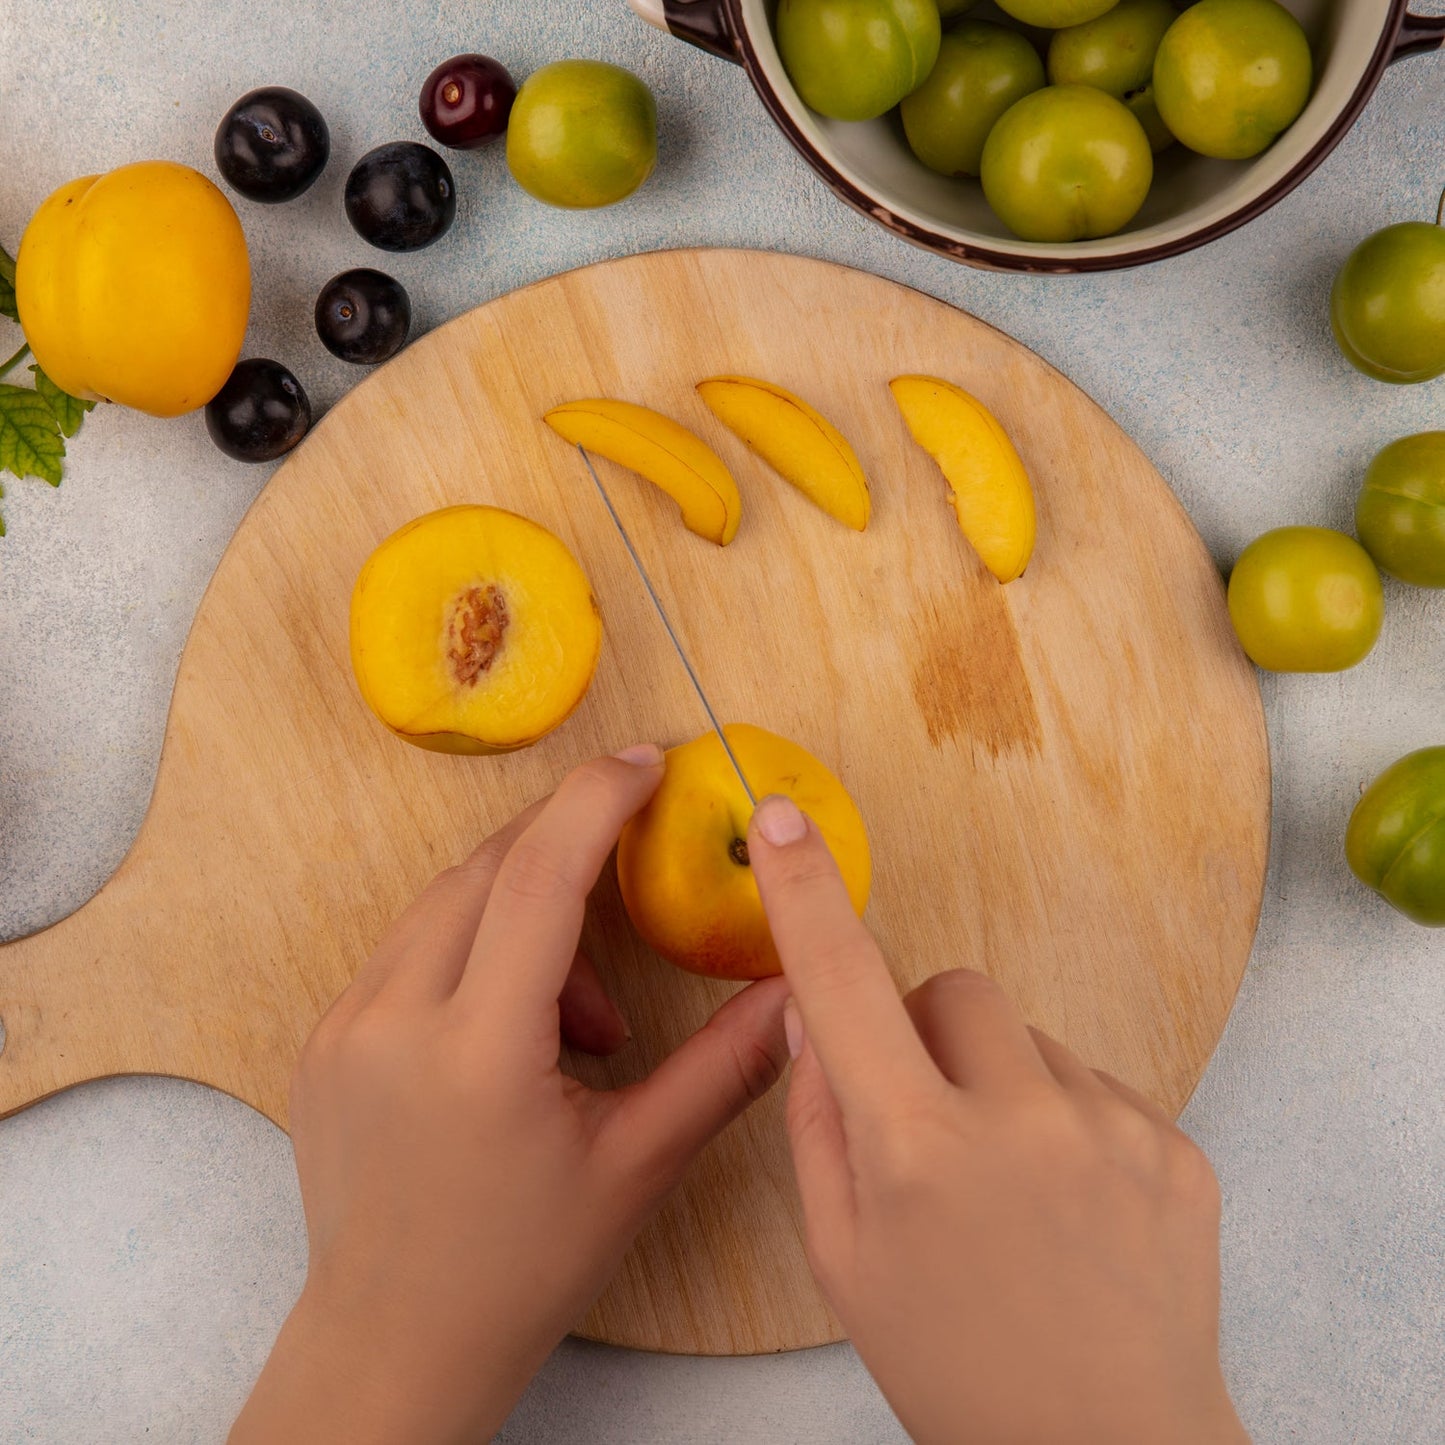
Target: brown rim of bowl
[{"x": 988, "y": 259}]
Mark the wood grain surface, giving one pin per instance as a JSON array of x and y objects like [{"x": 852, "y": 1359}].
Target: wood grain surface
[{"x": 1065, "y": 780}]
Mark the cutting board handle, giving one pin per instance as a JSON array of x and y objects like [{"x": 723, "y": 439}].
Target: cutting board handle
[
  {"x": 107, "y": 991},
  {"x": 57, "y": 1030},
  {"x": 87, "y": 998}
]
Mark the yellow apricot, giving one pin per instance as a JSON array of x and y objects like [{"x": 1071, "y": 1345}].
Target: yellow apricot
[
  {"x": 682, "y": 862},
  {"x": 135, "y": 286}
]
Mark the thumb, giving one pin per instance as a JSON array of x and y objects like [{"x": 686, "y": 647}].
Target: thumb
[{"x": 661, "y": 1124}]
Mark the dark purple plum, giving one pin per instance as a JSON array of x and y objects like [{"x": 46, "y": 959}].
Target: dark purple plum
[
  {"x": 401, "y": 196},
  {"x": 363, "y": 316},
  {"x": 272, "y": 144},
  {"x": 260, "y": 413}
]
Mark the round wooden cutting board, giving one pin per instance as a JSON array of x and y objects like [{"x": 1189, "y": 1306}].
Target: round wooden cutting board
[{"x": 1065, "y": 779}]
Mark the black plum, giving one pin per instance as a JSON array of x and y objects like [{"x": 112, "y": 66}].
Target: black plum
[
  {"x": 260, "y": 413},
  {"x": 272, "y": 144},
  {"x": 466, "y": 101},
  {"x": 401, "y": 196},
  {"x": 363, "y": 316}
]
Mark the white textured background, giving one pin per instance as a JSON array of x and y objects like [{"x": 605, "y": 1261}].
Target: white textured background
[{"x": 150, "y": 1232}]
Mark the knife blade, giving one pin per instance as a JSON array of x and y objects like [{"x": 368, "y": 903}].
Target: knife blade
[{"x": 667, "y": 625}]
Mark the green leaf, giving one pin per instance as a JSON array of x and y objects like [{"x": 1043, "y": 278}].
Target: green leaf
[
  {"x": 7, "y": 289},
  {"x": 30, "y": 440},
  {"x": 69, "y": 410}
]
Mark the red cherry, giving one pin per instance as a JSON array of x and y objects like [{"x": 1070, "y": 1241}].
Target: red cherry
[{"x": 466, "y": 101}]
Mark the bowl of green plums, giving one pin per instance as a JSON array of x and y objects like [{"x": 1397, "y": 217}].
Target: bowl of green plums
[{"x": 1058, "y": 135}]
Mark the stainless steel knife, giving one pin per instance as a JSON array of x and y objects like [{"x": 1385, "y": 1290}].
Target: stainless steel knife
[{"x": 657, "y": 603}]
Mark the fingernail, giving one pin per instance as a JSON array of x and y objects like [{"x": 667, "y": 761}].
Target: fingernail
[
  {"x": 641, "y": 755},
  {"x": 793, "y": 1027},
  {"x": 777, "y": 818}
]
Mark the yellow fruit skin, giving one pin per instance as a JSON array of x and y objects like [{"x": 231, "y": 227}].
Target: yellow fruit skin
[
  {"x": 992, "y": 497},
  {"x": 402, "y": 629},
  {"x": 685, "y": 891},
  {"x": 44, "y": 293},
  {"x": 135, "y": 286},
  {"x": 665, "y": 453},
  {"x": 798, "y": 442}
]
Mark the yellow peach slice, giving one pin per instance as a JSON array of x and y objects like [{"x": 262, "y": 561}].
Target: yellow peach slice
[
  {"x": 991, "y": 493},
  {"x": 473, "y": 630},
  {"x": 799, "y": 443},
  {"x": 666, "y": 454},
  {"x": 682, "y": 862}
]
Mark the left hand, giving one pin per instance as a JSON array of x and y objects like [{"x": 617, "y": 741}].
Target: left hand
[{"x": 466, "y": 1200}]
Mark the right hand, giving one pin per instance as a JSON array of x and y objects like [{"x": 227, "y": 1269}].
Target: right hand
[{"x": 1022, "y": 1248}]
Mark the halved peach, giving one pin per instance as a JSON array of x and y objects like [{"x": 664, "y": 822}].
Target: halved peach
[{"x": 473, "y": 630}]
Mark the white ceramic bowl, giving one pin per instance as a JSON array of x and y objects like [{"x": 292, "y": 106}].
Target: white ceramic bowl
[{"x": 1193, "y": 199}]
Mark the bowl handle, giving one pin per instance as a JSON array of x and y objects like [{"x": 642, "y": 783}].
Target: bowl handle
[
  {"x": 704, "y": 23},
  {"x": 1418, "y": 33}
]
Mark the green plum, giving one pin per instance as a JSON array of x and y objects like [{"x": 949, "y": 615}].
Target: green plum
[
  {"x": 1115, "y": 54},
  {"x": 952, "y": 9},
  {"x": 1395, "y": 841},
  {"x": 856, "y": 59},
  {"x": 582, "y": 133},
  {"x": 1066, "y": 163},
  {"x": 1387, "y": 307},
  {"x": 1230, "y": 75},
  {"x": 982, "y": 69},
  {"x": 1400, "y": 512},
  {"x": 1306, "y": 599},
  {"x": 1054, "y": 14}
]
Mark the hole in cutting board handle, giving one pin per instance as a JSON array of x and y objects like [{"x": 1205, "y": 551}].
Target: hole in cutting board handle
[{"x": 2, "y": 1035}]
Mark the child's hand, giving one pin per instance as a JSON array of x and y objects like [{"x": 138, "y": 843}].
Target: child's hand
[
  {"x": 465, "y": 1200},
  {"x": 1022, "y": 1249}
]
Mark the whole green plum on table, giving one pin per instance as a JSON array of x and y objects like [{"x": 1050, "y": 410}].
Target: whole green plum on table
[
  {"x": 1230, "y": 75},
  {"x": 1306, "y": 599},
  {"x": 1395, "y": 841},
  {"x": 1387, "y": 306},
  {"x": 1400, "y": 512},
  {"x": 981, "y": 71},
  {"x": 856, "y": 59},
  {"x": 581, "y": 134},
  {"x": 1115, "y": 53},
  {"x": 1067, "y": 163},
  {"x": 1054, "y": 14}
]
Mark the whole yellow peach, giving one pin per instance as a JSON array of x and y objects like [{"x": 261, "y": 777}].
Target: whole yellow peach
[
  {"x": 135, "y": 286},
  {"x": 682, "y": 862}
]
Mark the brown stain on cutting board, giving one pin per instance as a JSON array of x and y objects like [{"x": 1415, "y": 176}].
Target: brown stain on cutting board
[
  {"x": 968, "y": 676},
  {"x": 288, "y": 828}
]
